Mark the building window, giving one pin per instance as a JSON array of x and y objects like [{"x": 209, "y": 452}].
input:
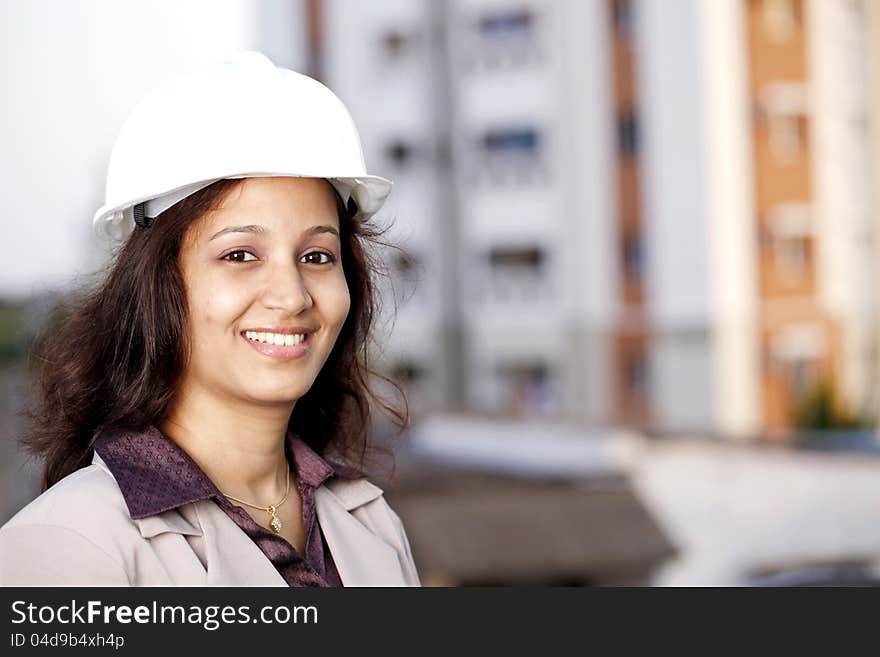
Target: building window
[
  {"x": 515, "y": 24},
  {"x": 516, "y": 274},
  {"x": 623, "y": 17},
  {"x": 637, "y": 376},
  {"x": 797, "y": 351},
  {"x": 628, "y": 134},
  {"x": 781, "y": 18},
  {"x": 506, "y": 39},
  {"x": 781, "y": 109},
  {"x": 399, "y": 153},
  {"x": 413, "y": 378},
  {"x": 397, "y": 44},
  {"x": 405, "y": 264},
  {"x": 633, "y": 256},
  {"x": 789, "y": 233},
  {"x": 511, "y": 156},
  {"x": 407, "y": 372},
  {"x": 407, "y": 274},
  {"x": 527, "y": 388},
  {"x": 787, "y": 137},
  {"x": 790, "y": 258},
  {"x": 802, "y": 375},
  {"x": 512, "y": 142},
  {"x": 525, "y": 259}
]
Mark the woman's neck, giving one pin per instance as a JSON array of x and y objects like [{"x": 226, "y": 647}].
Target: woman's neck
[{"x": 239, "y": 447}]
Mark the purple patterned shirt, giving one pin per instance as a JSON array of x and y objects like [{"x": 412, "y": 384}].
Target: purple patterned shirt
[{"x": 155, "y": 475}]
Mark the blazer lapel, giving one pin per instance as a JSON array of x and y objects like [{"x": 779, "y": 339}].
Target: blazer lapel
[
  {"x": 233, "y": 558},
  {"x": 361, "y": 557}
]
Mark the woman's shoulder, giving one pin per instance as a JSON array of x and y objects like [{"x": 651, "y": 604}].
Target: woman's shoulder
[
  {"x": 353, "y": 491},
  {"x": 68, "y": 535},
  {"x": 86, "y": 503},
  {"x": 83, "y": 497}
]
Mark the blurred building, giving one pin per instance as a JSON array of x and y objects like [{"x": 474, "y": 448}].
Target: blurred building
[
  {"x": 746, "y": 242},
  {"x": 381, "y": 59},
  {"x": 623, "y": 211},
  {"x": 873, "y": 26},
  {"x": 496, "y": 141},
  {"x": 808, "y": 85}
]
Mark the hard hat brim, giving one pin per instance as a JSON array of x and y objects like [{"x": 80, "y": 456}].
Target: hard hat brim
[{"x": 116, "y": 221}]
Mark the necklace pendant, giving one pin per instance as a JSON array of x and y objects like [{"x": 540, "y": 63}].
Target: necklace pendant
[{"x": 274, "y": 521}]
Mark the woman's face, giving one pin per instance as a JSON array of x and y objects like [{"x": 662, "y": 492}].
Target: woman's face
[{"x": 267, "y": 261}]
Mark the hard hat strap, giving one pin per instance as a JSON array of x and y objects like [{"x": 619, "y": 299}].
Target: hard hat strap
[{"x": 139, "y": 218}]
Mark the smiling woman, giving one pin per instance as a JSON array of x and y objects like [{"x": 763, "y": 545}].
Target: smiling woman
[
  {"x": 204, "y": 412},
  {"x": 289, "y": 285}
]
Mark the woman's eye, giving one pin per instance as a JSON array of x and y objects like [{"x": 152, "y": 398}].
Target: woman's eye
[
  {"x": 330, "y": 258},
  {"x": 238, "y": 259}
]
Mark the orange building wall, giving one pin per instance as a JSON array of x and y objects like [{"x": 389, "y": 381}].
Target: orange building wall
[
  {"x": 784, "y": 302},
  {"x": 631, "y": 342}
]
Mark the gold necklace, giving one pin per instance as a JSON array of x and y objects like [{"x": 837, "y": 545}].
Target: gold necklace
[{"x": 274, "y": 520}]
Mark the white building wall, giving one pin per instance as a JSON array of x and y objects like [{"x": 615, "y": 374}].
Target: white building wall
[
  {"x": 732, "y": 240},
  {"x": 844, "y": 225},
  {"x": 682, "y": 398},
  {"x": 391, "y": 97},
  {"x": 873, "y": 83},
  {"x": 673, "y": 159},
  {"x": 509, "y": 318},
  {"x": 279, "y": 28},
  {"x": 564, "y": 209},
  {"x": 589, "y": 155}
]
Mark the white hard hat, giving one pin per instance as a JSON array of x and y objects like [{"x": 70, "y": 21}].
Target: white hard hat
[{"x": 241, "y": 118}]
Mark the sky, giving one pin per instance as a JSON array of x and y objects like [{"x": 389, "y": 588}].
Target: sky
[{"x": 71, "y": 72}]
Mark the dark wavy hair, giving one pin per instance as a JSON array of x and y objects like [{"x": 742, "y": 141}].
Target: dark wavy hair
[{"x": 112, "y": 355}]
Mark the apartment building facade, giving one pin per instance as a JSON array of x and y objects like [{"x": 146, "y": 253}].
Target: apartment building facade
[{"x": 623, "y": 211}]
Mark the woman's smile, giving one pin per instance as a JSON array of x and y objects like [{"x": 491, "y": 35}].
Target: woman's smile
[{"x": 279, "y": 345}]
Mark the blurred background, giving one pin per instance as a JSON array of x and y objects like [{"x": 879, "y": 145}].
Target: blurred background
[{"x": 637, "y": 320}]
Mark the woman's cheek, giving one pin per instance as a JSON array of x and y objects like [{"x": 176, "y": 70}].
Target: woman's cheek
[
  {"x": 342, "y": 303},
  {"x": 219, "y": 302}
]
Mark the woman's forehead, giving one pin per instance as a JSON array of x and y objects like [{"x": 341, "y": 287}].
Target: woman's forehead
[
  {"x": 281, "y": 192},
  {"x": 275, "y": 204}
]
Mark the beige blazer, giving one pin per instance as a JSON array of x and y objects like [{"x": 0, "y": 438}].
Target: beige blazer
[{"x": 79, "y": 533}]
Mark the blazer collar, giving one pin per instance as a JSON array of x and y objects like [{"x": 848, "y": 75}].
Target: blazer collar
[
  {"x": 233, "y": 559},
  {"x": 351, "y": 494},
  {"x": 156, "y": 475},
  {"x": 362, "y": 557},
  {"x": 178, "y": 520}
]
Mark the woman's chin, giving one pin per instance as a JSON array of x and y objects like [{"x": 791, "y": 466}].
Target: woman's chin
[{"x": 276, "y": 396}]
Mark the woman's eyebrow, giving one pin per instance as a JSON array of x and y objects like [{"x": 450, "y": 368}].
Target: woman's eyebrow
[
  {"x": 314, "y": 230},
  {"x": 238, "y": 229}
]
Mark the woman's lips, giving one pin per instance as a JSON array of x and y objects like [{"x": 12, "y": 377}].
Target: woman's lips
[{"x": 282, "y": 352}]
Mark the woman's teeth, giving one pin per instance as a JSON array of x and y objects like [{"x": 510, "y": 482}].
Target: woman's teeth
[{"x": 280, "y": 339}]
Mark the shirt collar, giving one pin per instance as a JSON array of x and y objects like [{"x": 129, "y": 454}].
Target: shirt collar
[
  {"x": 310, "y": 468},
  {"x": 155, "y": 474}
]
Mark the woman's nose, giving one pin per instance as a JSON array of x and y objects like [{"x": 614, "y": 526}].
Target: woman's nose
[{"x": 287, "y": 290}]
